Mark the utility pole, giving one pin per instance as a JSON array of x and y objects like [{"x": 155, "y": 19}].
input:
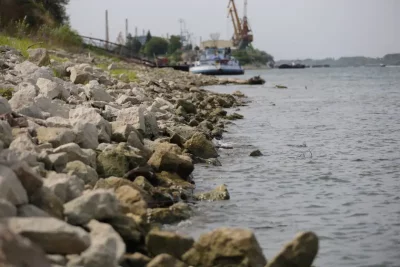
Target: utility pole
[
  {"x": 107, "y": 33},
  {"x": 136, "y": 31},
  {"x": 126, "y": 29}
]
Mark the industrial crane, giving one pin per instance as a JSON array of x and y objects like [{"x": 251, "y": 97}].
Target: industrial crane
[{"x": 243, "y": 36}]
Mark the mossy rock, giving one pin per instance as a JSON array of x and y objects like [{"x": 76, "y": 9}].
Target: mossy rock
[{"x": 7, "y": 93}]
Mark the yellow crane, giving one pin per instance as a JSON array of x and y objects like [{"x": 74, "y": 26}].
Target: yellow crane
[{"x": 243, "y": 36}]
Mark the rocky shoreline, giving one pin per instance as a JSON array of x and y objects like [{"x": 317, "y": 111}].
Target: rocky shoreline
[{"x": 96, "y": 155}]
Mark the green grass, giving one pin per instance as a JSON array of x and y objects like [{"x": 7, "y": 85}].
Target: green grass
[
  {"x": 58, "y": 59},
  {"x": 102, "y": 66},
  {"x": 6, "y": 93},
  {"x": 17, "y": 43},
  {"x": 131, "y": 74}
]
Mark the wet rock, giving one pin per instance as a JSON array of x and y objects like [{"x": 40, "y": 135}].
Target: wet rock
[
  {"x": 219, "y": 193},
  {"x": 201, "y": 147},
  {"x": 167, "y": 179},
  {"x": 165, "y": 260},
  {"x": 299, "y": 252},
  {"x": 159, "y": 242},
  {"x": 39, "y": 56},
  {"x": 28, "y": 210},
  {"x": 52, "y": 235},
  {"x": 184, "y": 131},
  {"x": 106, "y": 248},
  {"x": 7, "y": 209},
  {"x": 238, "y": 94},
  {"x": 234, "y": 116},
  {"x": 5, "y": 107},
  {"x": 86, "y": 173},
  {"x": 98, "y": 204},
  {"x": 64, "y": 186},
  {"x": 118, "y": 160},
  {"x": 256, "y": 153},
  {"x": 226, "y": 247},
  {"x": 87, "y": 135},
  {"x": 135, "y": 260},
  {"x": 11, "y": 188},
  {"x": 174, "y": 214},
  {"x": 129, "y": 231},
  {"x": 131, "y": 200},
  {"x": 47, "y": 201},
  {"x": 12, "y": 246},
  {"x": 90, "y": 115},
  {"x": 5, "y": 133},
  {"x": 55, "y": 136}
]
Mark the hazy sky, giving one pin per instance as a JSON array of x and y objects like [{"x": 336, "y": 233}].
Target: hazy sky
[{"x": 287, "y": 29}]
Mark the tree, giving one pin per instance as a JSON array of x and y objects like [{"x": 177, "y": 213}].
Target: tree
[
  {"x": 148, "y": 37},
  {"x": 174, "y": 44},
  {"x": 157, "y": 46},
  {"x": 133, "y": 44}
]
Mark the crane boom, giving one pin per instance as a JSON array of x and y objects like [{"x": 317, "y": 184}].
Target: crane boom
[{"x": 243, "y": 35}]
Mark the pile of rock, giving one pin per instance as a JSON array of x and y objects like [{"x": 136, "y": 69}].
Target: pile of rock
[{"x": 90, "y": 166}]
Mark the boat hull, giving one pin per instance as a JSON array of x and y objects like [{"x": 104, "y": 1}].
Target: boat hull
[{"x": 211, "y": 70}]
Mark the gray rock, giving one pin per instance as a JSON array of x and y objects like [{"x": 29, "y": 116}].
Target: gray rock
[
  {"x": 23, "y": 142},
  {"x": 92, "y": 116},
  {"x": 55, "y": 136},
  {"x": 127, "y": 99},
  {"x": 26, "y": 68},
  {"x": 133, "y": 116},
  {"x": 201, "y": 147},
  {"x": 30, "y": 180},
  {"x": 7, "y": 209},
  {"x": 16, "y": 250},
  {"x": 106, "y": 249},
  {"x": 29, "y": 210},
  {"x": 86, "y": 135},
  {"x": 39, "y": 56},
  {"x": 134, "y": 140},
  {"x": 78, "y": 75},
  {"x": 86, "y": 173},
  {"x": 97, "y": 204},
  {"x": 5, "y": 107},
  {"x": 53, "y": 235},
  {"x": 74, "y": 152},
  {"x": 48, "y": 202},
  {"x": 55, "y": 108},
  {"x": 94, "y": 91},
  {"x": 11, "y": 188},
  {"x": 5, "y": 133},
  {"x": 219, "y": 193},
  {"x": 58, "y": 161},
  {"x": 58, "y": 122},
  {"x": 136, "y": 259},
  {"x": 66, "y": 187},
  {"x": 48, "y": 88},
  {"x": 120, "y": 131}
]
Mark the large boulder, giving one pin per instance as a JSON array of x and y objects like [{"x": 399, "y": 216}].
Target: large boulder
[
  {"x": 53, "y": 235},
  {"x": 83, "y": 114},
  {"x": 11, "y": 188},
  {"x": 47, "y": 201},
  {"x": 226, "y": 247},
  {"x": 131, "y": 200},
  {"x": 118, "y": 160},
  {"x": 98, "y": 204},
  {"x": 170, "y": 161},
  {"x": 300, "y": 252},
  {"x": 219, "y": 193},
  {"x": 64, "y": 186},
  {"x": 106, "y": 248},
  {"x": 86, "y": 173},
  {"x": 159, "y": 242},
  {"x": 133, "y": 116},
  {"x": 201, "y": 147},
  {"x": 87, "y": 135},
  {"x": 55, "y": 136},
  {"x": 39, "y": 56},
  {"x": 16, "y": 250},
  {"x": 165, "y": 260}
]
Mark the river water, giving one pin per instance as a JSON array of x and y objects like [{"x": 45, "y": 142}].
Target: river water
[{"x": 331, "y": 164}]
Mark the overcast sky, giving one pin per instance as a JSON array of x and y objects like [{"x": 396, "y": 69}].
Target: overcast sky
[{"x": 288, "y": 29}]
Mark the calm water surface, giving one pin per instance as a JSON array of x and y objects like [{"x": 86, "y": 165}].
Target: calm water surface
[{"x": 331, "y": 164}]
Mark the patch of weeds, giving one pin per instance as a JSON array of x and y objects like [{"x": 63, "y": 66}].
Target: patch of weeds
[
  {"x": 56, "y": 73},
  {"x": 102, "y": 66},
  {"x": 58, "y": 59},
  {"x": 131, "y": 74},
  {"x": 16, "y": 43},
  {"x": 6, "y": 93}
]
